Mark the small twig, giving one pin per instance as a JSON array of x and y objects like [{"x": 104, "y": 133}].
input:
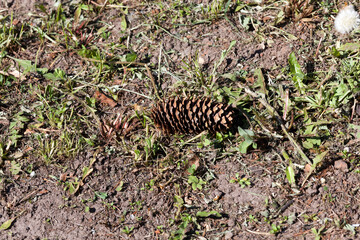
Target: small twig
[
  {"x": 318, "y": 47},
  {"x": 103, "y": 6},
  {"x": 172, "y": 35},
  {"x": 130, "y": 91},
  {"x": 328, "y": 76},
  {"x": 286, "y": 104},
  {"x": 30, "y": 195},
  {"x": 194, "y": 138},
  {"x": 273, "y": 112},
  {"x": 260, "y": 233},
  {"x": 152, "y": 81},
  {"x": 114, "y": 62},
  {"x": 113, "y": 5},
  {"x": 284, "y": 207},
  {"x": 353, "y": 109}
]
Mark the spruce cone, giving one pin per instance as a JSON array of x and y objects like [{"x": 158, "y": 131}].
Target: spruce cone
[{"x": 192, "y": 115}]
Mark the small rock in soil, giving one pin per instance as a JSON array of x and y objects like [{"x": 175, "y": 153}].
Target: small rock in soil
[
  {"x": 231, "y": 222},
  {"x": 229, "y": 235},
  {"x": 312, "y": 190},
  {"x": 341, "y": 165},
  {"x": 307, "y": 168}
]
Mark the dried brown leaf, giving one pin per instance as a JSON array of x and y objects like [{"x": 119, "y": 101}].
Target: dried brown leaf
[{"x": 102, "y": 98}]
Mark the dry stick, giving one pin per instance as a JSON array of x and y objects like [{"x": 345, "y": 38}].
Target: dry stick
[
  {"x": 103, "y": 6},
  {"x": 259, "y": 233},
  {"x": 272, "y": 111},
  {"x": 327, "y": 77},
  {"x": 152, "y": 81},
  {"x": 115, "y": 62},
  {"x": 353, "y": 109}
]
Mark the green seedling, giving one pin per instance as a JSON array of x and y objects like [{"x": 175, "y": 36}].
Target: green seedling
[
  {"x": 204, "y": 214},
  {"x": 351, "y": 228},
  {"x": 243, "y": 182},
  {"x": 310, "y": 218},
  {"x": 17, "y": 125},
  {"x": 72, "y": 185},
  {"x": 298, "y": 76},
  {"x": 290, "y": 172},
  {"x": 196, "y": 183},
  {"x": 136, "y": 205},
  {"x": 205, "y": 142},
  {"x": 248, "y": 136},
  {"x": 318, "y": 232},
  {"x": 127, "y": 230},
  {"x": 101, "y": 195},
  {"x": 186, "y": 219},
  {"x": 15, "y": 168},
  {"x": 275, "y": 229}
]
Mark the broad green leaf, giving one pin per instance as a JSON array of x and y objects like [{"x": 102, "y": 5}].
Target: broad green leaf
[
  {"x": 102, "y": 195},
  {"x": 245, "y": 145},
  {"x": 193, "y": 179},
  {"x": 51, "y": 76},
  {"x": 120, "y": 186},
  {"x": 335, "y": 52},
  {"x": 260, "y": 81},
  {"x": 290, "y": 174},
  {"x": 178, "y": 199},
  {"x": 26, "y": 65},
  {"x": 192, "y": 169},
  {"x": 350, "y": 47},
  {"x": 319, "y": 158},
  {"x": 77, "y": 15},
  {"x": 72, "y": 187},
  {"x": 7, "y": 224},
  {"x": 245, "y": 133},
  {"x": 230, "y": 76},
  {"x": 207, "y": 142},
  {"x": 130, "y": 57},
  {"x": 15, "y": 168},
  {"x": 86, "y": 172},
  {"x": 351, "y": 228},
  {"x": 102, "y": 30},
  {"x": 248, "y": 135},
  {"x": 297, "y": 75},
  {"x": 123, "y": 23},
  {"x": 357, "y": 128},
  {"x": 41, "y": 70},
  {"x": 308, "y": 145},
  {"x": 205, "y": 214},
  {"x": 86, "y": 7}
]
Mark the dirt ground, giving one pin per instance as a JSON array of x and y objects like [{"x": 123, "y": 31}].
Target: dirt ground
[{"x": 122, "y": 197}]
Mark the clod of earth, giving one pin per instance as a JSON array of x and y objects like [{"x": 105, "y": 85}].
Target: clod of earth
[{"x": 192, "y": 115}]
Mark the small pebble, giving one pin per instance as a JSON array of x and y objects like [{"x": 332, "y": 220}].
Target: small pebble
[
  {"x": 201, "y": 60},
  {"x": 341, "y": 165},
  {"x": 307, "y": 168},
  {"x": 231, "y": 222},
  {"x": 229, "y": 235}
]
